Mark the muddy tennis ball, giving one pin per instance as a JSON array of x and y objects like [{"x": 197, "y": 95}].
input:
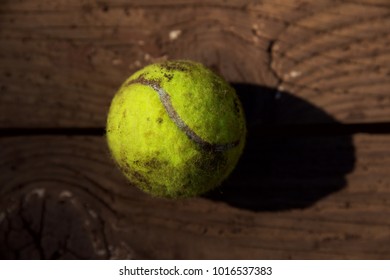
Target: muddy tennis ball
[{"x": 176, "y": 129}]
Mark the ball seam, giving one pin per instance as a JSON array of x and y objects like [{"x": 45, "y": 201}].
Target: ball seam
[{"x": 165, "y": 100}]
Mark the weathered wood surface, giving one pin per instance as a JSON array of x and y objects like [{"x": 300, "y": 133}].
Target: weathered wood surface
[
  {"x": 306, "y": 186},
  {"x": 52, "y": 178},
  {"x": 62, "y": 61}
]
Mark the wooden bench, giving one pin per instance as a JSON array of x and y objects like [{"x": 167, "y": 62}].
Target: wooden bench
[{"x": 314, "y": 180}]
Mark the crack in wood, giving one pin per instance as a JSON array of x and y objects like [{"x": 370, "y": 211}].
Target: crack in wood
[{"x": 268, "y": 130}]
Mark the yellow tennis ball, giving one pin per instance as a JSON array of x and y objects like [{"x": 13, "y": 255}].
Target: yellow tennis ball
[{"x": 176, "y": 129}]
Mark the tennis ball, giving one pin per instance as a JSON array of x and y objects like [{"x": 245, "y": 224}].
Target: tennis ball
[{"x": 176, "y": 129}]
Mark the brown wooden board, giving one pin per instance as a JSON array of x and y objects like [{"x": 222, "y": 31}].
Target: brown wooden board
[
  {"x": 62, "y": 61},
  {"x": 63, "y": 197},
  {"x": 312, "y": 76}
]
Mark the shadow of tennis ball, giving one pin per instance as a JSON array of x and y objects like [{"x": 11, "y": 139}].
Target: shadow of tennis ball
[{"x": 292, "y": 159}]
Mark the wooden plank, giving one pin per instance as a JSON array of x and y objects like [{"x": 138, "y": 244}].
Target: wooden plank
[
  {"x": 62, "y": 61},
  {"x": 294, "y": 198},
  {"x": 336, "y": 58}
]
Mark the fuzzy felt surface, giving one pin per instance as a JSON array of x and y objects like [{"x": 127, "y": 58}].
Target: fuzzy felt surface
[{"x": 176, "y": 129}]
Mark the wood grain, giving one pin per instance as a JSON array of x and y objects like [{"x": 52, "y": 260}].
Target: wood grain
[
  {"x": 306, "y": 186},
  {"x": 336, "y": 58},
  {"x": 62, "y": 61},
  {"x": 51, "y": 182}
]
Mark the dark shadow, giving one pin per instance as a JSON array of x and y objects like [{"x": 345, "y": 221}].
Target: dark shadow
[{"x": 295, "y": 155}]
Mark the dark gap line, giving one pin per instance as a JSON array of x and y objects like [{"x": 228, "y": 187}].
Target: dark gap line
[
  {"x": 276, "y": 130},
  {"x": 324, "y": 129},
  {"x": 52, "y": 131}
]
